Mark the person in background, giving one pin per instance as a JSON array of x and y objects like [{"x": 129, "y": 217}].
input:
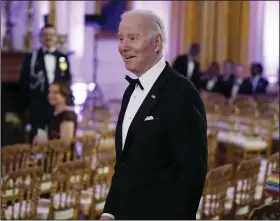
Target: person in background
[
  {"x": 209, "y": 78},
  {"x": 259, "y": 82},
  {"x": 161, "y": 134},
  {"x": 240, "y": 84},
  {"x": 189, "y": 66},
  {"x": 40, "y": 69},
  {"x": 63, "y": 124}
]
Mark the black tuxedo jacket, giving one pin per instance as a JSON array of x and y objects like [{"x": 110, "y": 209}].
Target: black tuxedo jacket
[
  {"x": 261, "y": 86},
  {"x": 36, "y": 99},
  {"x": 218, "y": 86},
  {"x": 181, "y": 66},
  {"x": 160, "y": 172},
  {"x": 245, "y": 88}
]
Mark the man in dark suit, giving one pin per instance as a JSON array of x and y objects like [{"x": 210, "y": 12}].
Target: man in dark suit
[
  {"x": 259, "y": 83},
  {"x": 161, "y": 134},
  {"x": 189, "y": 66},
  {"x": 239, "y": 84},
  {"x": 39, "y": 69}
]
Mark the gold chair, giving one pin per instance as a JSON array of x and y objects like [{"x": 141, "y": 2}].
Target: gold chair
[
  {"x": 87, "y": 146},
  {"x": 20, "y": 194},
  {"x": 106, "y": 149},
  {"x": 213, "y": 202},
  {"x": 244, "y": 100},
  {"x": 48, "y": 155},
  {"x": 68, "y": 179},
  {"x": 246, "y": 180},
  {"x": 272, "y": 164},
  {"x": 102, "y": 177},
  {"x": 212, "y": 149},
  {"x": 14, "y": 157}
]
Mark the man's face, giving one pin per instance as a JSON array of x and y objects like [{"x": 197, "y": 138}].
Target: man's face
[
  {"x": 227, "y": 68},
  {"x": 195, "y": 52},
  {"x": 239, "y": 71},
  {"x": 136, "y": 46},
  {"x": 254, "y": 70},
  {"x": 48, "y": 37}
]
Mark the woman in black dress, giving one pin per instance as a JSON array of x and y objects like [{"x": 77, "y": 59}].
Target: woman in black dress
[{"x": 64, "y": 122}]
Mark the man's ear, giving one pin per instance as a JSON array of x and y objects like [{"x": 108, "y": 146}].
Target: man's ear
[{"x": 158, "y": 43}]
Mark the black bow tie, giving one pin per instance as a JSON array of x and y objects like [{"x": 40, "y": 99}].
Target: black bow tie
[{"x": 134, "y": 81}]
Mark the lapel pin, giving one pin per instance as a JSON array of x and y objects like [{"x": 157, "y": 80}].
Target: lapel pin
[{"x": 153, "y": 96}]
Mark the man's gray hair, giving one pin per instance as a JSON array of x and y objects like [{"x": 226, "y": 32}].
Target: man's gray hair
[{"x": 157, "y": 26}]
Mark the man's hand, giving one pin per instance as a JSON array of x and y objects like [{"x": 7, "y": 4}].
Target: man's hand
[{"x": 105, "y": 218}]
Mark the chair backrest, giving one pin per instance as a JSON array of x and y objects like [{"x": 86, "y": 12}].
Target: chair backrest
[
  {"x": 14, "y": 157},
  {"x": 21, "y": 191},
  {"x": 246, "y": 181},
  {"x": 212, "y": 149},
  {"x": 49, "y": 154},
  {"x": 217, "y": 182},
  {"x": 68, "y": 179}
]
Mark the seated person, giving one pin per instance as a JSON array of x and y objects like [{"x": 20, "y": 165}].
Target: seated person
[
  {"x": 259, "y": 83},
  {"x": 64, "y": 122},
  {"x": 209, "y": 79},
  {"x": 226, "y": 77},
  {"x": 240, "y": 84}
]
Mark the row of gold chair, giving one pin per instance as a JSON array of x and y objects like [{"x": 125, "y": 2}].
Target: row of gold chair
[
  {"x": 75, "y": 190},
  {"x": 97, "y": 151},
  {"x": 232, "y": 192}
]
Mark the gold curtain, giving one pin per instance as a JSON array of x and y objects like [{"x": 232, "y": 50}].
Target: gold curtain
[
  {"x": 184, "y": 26},
  {"x": 220, "y": 27},
  {"x": 52, "y": 19}
]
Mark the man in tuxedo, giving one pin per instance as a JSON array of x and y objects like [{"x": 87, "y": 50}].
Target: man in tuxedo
[
  {"x": 239, "y": 84},
  {"x": 189, "y": 66},
  {"x": 39, "y": 69},
  {"x": 161, "y": 133},
  {"x": 259, "y": 83}
]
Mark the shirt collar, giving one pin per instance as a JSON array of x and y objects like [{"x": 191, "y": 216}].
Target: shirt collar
[{"x": 149, "y": 77}]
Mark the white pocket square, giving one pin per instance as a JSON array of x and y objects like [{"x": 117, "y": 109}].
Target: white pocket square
[{"x": 149, "y": 118}]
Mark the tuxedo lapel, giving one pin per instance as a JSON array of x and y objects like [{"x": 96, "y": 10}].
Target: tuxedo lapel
[
  {"x": 125, "y": 101},
  {"x": 57, "y": 69},
  {"x": 148, "y": 104},
  {"x": 42, "y": 62}
]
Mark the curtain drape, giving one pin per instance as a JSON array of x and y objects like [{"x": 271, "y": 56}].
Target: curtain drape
[
  {"x": 220, "y": 27},
  {"x": 52, "y": 17}
]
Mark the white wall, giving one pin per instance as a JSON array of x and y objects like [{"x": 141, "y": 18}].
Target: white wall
[
  {"x": 256, "y": 31},
  {"x": 271, "y": 39}
]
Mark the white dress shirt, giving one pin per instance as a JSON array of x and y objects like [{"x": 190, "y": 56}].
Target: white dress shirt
[
  {"x": 236, "y": 86},
  {"x": 50, "y": 64},
  {"x": 191, "y": 66},
  {"x": 147, "y": 80},
  {"x": 255, "y": 81},
  {"x": 210, "y": 84}
]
